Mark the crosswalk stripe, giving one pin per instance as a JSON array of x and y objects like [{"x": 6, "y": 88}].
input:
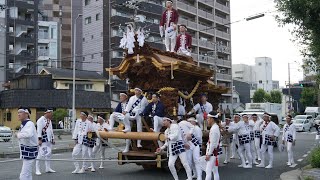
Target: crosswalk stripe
[{"x": 294, "y": 165}]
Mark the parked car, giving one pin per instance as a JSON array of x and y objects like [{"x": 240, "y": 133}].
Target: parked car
[
  {"x": 317, "y": 120},
  {"x": 309, "y": 117},
  {"x": 302, "y": 124},
  {"x": 5, "y": 133}
]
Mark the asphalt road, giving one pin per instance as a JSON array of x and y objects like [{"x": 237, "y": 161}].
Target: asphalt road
[{"x": 305, "y": 143}]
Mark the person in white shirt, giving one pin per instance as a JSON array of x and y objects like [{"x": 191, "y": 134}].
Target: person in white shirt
[
  {"x": 102, "y": 125},
  {"x": 257, "y": 134},
  {"x": 289, "y": 139},
  {"x": 61, "y": 124},
  {"x": 227, "y": 138},
  {"x": 242, "y": 129},
  {"x": 196, "y": 140},
  {"x": 135, "y": 107},
  {"x": 202, "y": 109},
  {"x": 269, "y": 131},
  {"x": 91, "y": 142},
  {"x": 45, "y": 140},
  {"x": 175, "y": 145},
  {"x": 27, "y": 137},
  {"x": 252, "y": 141},
  {"x": 82, "y": 127},
  {"x": 118, "y": 115},
  {"x": 213, "y": 147}
]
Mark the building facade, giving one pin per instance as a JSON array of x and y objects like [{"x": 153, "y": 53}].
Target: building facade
[
  {"x": 263, "y": 69},
  {"x": 47, "y": 44}
]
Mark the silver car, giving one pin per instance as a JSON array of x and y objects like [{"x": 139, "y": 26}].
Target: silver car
[{"x": 5, "y": 133}]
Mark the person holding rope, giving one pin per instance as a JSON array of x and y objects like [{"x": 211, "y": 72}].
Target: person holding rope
[
  {"x": 91, "y": 142},
  {"x": 80, "y": 132},
  {"x": 102, "y": 125},
  {"x": 45, "y": 140},
  {"x": 175, "y": 145},
  {"x": 28, "y": 141},
  {"x": 202, "y": 109},
  {"x": 213, "y": 147}
]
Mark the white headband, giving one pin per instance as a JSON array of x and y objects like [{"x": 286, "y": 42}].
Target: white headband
[
  {"x": 138, "y": 89},
  {"x": 123, "y": 94},
  {"x": 99, "y": 117},
  {"x": 24, "y": 111},
  {"x": 83, "y": 113},
  {"x": 166, "y": 118},
  {"x": 90, "y": 116},
  {"x": 216, "y": 116},
  {"x": 192, "y": 119},
  {"x": 48, "y": 111}
]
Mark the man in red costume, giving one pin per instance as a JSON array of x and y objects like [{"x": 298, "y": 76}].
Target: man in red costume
[
  {"x": 168, "y": 25},
  {"x": 184, "y": 41}
]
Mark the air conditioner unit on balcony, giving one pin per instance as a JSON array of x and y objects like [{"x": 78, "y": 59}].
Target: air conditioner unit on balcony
[
  {"x": 11, "y": 29},
  {"x": 11, "y": 65},
  {"x": 11, "y": 47}
]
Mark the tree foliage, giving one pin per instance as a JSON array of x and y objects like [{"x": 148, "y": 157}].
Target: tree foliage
[
  {"x": 59, "y": 114},
  {"x": 261, "y": 96},
  {"x": 309, "y": 96},
  {"x": 305, "y": 16}
]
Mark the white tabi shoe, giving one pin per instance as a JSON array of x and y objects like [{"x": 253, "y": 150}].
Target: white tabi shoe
[
  {"x": 126, "y": 130},
  {"x": 241, "y": 165},
  {"x": 255, "y": 163},
  {"x": 139, "y": 146},
  {"x": 260, "y": 165},
  {"x": 125, "y": 150},
  {"x": 293, "y": 165},
  {"x": 225, "y": 162},
  {"x": 50, "y": 171},
  {"x": 76, "y": 171},
  {"x": 89, "y": 167},
  {"x": 93, "y": 170},
  {"x": 247, "y": 162},
  {"x": 38, "y": 173},
  {"x": 288, "y": 164},
  {"x": 269, "y": 166},
  {"x": 248, "y": 166},
  {"x": 101, "y": 167},
  {"x": 259, "y": 159},
  {"x": 232, "y": 157},
  {"x": 82, "y": 170}
]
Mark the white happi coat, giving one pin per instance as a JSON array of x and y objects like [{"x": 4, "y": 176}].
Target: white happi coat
[
  {"x": 214, "y": 138},
  {"x": 27, "y": 136},
  {"x": 139, "y": 108},
  {"x": 207, "y": 106},
  {"x": 241, "y": 128},
  {"x": 198, "y": 133},
  {"x": 257, "y": 124},
  {"x": 41, "y": 123},
  {"x": 173, "y": 133},
  {"x": 289, "y": 131},
  {"x": 271, "y": 129},
  {"x": 186, "y": 128},
  {"x": 81, "y": 129},
  {"x": 226, "y": 138}
]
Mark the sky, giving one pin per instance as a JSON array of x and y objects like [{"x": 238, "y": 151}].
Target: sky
[{"x": 264, "y": 38}]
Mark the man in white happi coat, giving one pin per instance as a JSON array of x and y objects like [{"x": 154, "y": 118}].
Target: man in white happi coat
[
  {"x": 270, "y": 132},
  {"x": 82, "y": 127},
  {"x": 252, "y": 141},
  {"x": 257, "y": 135},
  {"x": 242, "y": 130},
  {"x": 118, "y": 115},
  {"x": 213, "y": 147},
  {"x": 289, "y": 139},
  {"x": 202, "y": 109},
  {"x": 28, "y": 141},
  {"x": 175, "y": 148},
  {"x": 45, "y": 140},
  {"x": 135, "y": 107},
  {"x": 195, "y": 148},
  {"x": 91, "y": 142},
  {"x": 168, "y": 26},
  {"x": 100, "y": 145},
  {"x": 227, "y": 139}
]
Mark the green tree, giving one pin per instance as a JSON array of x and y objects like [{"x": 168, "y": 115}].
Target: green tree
[
  {"x": 276, "y": 96},
  {"x": 308, "y": 96},
  {"x": 259, "y": 96},
  {"x": 305, "y": 16},
  {"x": 59, "y": 114}
]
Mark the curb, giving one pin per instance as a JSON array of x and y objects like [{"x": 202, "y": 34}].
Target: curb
[
  {"x": 54, "y": 151},
  {"x": 292, "y": 175}
]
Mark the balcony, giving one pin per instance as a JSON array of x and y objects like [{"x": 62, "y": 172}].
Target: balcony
[
  {"x": 224, "y": 49},
  {"x": 222, "y": 62},
  {"x": 43, "y": 35},
  {"x": 188, "y": 8},
  {"x": 206, "y": 15},
  {"x": 222, "y": 8},
  {"x": 223, "y": 21},
  {"x": 224, "y": 77},
  {"x": 188, "y": 23},
  {"x": 223, "y": 35},
  {"x": 209, "y": 3},
  {"x": 43, "y": 52}
]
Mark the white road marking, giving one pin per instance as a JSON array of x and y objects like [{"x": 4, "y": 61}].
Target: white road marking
[
  {"x": 300, "y": 160},
  {"x": 305, "y": 155},
  {"x": 294, "y": 165}
]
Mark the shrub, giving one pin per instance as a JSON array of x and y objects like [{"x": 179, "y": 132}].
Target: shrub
[{"x": 315, "y": 158}]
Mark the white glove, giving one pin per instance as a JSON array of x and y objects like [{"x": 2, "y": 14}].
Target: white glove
[{"x": 161, "y": 31}]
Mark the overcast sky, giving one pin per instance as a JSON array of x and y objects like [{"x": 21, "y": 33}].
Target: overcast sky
[{"x": 263, "y": 38}]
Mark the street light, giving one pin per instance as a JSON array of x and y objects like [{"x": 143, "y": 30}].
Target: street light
[{"x": 74, "y": 71}]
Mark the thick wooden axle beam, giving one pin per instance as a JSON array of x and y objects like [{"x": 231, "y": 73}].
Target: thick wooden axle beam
[{"x": 147, "y": 136}]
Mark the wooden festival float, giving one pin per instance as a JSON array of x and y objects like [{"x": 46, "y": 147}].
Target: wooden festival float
[{"x": 172, "y": 76}]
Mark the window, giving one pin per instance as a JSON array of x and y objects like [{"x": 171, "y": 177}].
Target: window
[
  {"x": 8, "y": 116},
  {"x": 91, "y": 36},
  {"x": 97, "y": 16},
  {"x": 88, "y": 20},
  {"x": 88, "y": 86},
  {"x": 260, "y": 82},
  {"x": 83, "y": 58},
  {"x": 86, "y": 2},
  {"x": 83, "y": 39},
  {"x": 259, "y": 64},
  {"x": 92, "y": 56}
]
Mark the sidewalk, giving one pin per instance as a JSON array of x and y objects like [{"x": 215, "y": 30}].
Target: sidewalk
[
  {"x": 65, "y": 144},
  {"x": 298, "y": 174}
]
